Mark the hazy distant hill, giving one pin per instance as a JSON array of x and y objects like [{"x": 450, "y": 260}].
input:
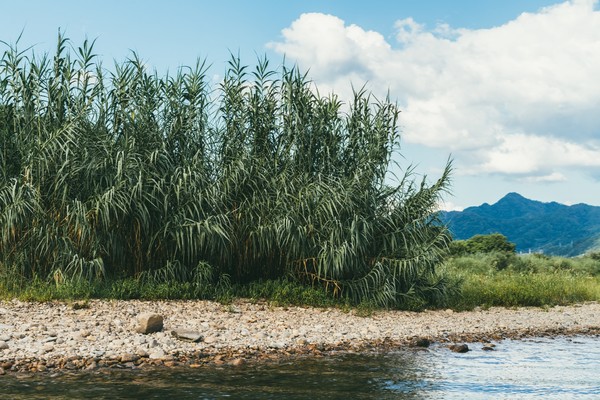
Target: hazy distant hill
[{"x": 535, "y": 226}]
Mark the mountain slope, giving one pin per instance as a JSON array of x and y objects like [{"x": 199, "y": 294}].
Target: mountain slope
[{"x": 535, "y": 226}]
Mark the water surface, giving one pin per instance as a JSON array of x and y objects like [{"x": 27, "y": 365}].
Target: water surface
[{"x": 560, "y": 368}]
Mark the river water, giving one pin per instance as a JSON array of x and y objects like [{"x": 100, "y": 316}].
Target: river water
[{"x": 545, "y": 368}]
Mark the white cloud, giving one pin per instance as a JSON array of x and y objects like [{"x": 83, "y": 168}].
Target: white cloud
[
  {"x": 553, "y": 177},
  {"x": 521, "y": 154},
  {"x": 449, "y": 206},
  {"x": 521, "y": 98}
]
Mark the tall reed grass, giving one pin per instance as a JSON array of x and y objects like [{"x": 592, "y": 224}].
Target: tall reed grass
[{"x": 121, "y": 173}]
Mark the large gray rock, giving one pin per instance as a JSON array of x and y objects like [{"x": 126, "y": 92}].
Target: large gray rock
[{"x": 149, "y": 323}]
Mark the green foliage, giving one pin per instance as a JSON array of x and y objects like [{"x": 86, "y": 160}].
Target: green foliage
[
  {"x": 511, "y": 289},
  {"x": 168, "y": 187},
  {"x": 492, "y": 243},
  {"x": 528, "y": 280}
]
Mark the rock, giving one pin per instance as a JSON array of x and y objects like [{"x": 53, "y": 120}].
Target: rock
[
  {"x": 125, "y": 358},
  {"x": 157, "y": 354},
  {"x": 149, "y": 323},
  {"x": 187, "y": 335},
  {"x": 6, "y": 365},
  {"x": 2, "y": 372},
  {"x": 142, "y": 353},
  {"x": 459, "y": 348},
  {"x": 487, "y": 348},
  {"x": 48, "y": 347},
  {"x": 3, "y": 345},
  {"x": 237, "y": 362},
  {"x": 91, "y": 366},
  {"x": 4, "y": 338},
  {"x": 420, "y": 342},
  {"x": 84, "y": 333},
  {"x": 80, "y": 305},
  {"x": 210, "y": 339}
]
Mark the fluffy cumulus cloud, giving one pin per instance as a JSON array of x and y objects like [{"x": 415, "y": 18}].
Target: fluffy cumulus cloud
[{"x": 522, "y": 98}]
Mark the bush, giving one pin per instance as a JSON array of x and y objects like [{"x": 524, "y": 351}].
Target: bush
[
  {"x": 127, "y": 175},
  {"x": 493, "y": 243}
]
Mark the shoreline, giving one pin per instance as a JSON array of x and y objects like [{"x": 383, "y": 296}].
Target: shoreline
[{"x": 58, "y": 336}]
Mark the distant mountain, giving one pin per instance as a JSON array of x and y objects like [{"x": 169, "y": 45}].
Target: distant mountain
[{"x": 551, "y": 228}]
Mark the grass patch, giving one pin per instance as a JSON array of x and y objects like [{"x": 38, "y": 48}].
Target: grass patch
[
  {"x": 530, "y": 280},
  {"x": 476, "y": 281},
  {"x": 281, "y": 292}
]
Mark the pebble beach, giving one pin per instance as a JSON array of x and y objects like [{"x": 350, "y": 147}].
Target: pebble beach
[{"x": 54, "y": 336}]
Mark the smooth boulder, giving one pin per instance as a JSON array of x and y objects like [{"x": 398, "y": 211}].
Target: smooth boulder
[{"x": 149, "y": 323}]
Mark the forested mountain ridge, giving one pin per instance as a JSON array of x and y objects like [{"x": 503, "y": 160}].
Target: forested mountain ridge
[{"x": 535, "y": 226}]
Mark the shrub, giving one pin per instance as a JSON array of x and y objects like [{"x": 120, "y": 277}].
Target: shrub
[
  {"x": 125, "y": 174},
  {"x": 494, "y": 242}
]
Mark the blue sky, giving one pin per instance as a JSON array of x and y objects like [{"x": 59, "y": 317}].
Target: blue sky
[{"x": 508, "y": 88}]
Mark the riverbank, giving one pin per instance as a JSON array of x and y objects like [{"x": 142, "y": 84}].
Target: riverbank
[{"x": 53, "y": 336}]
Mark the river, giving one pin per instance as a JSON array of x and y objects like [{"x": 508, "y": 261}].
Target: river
[{"x": 548, "y": 368}]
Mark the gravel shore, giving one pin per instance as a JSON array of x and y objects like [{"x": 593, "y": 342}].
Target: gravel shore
[{"x": 96, "y": 334}]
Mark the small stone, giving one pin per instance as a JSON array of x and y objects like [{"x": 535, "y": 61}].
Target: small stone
[
  {"x": 187, "y": 335},
  {"x": 210, "y": 339},
  {"x": 126, "y": 358},
  {"x": 80, "y": 305},
  {"x": 421, "y": 342},
  {"x": 149, "y": 323},
  {"x": 4, "y": 338},
  {"x": 157, "y": 354},
  {"x": 2, "y": 372},
  {"x": 48, "y": 347},
  {"x": 6, "y": 365},
  {"x": 237, "y": 362},
  {"x": 91, "y": 366},
  {"x": 459, "y": 348},
  {"x": 3, "y": 345},
  {"x": 84, "y": 333},
  {"x": 142, "y": 353},
  {"x": 488, "y": 348}
]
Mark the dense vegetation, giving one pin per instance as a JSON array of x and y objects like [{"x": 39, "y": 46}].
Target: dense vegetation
[
  {"x": 551, "y": 228},
  {"x": 113, "y": 179},
  {"x": 492, "y": 274}
]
